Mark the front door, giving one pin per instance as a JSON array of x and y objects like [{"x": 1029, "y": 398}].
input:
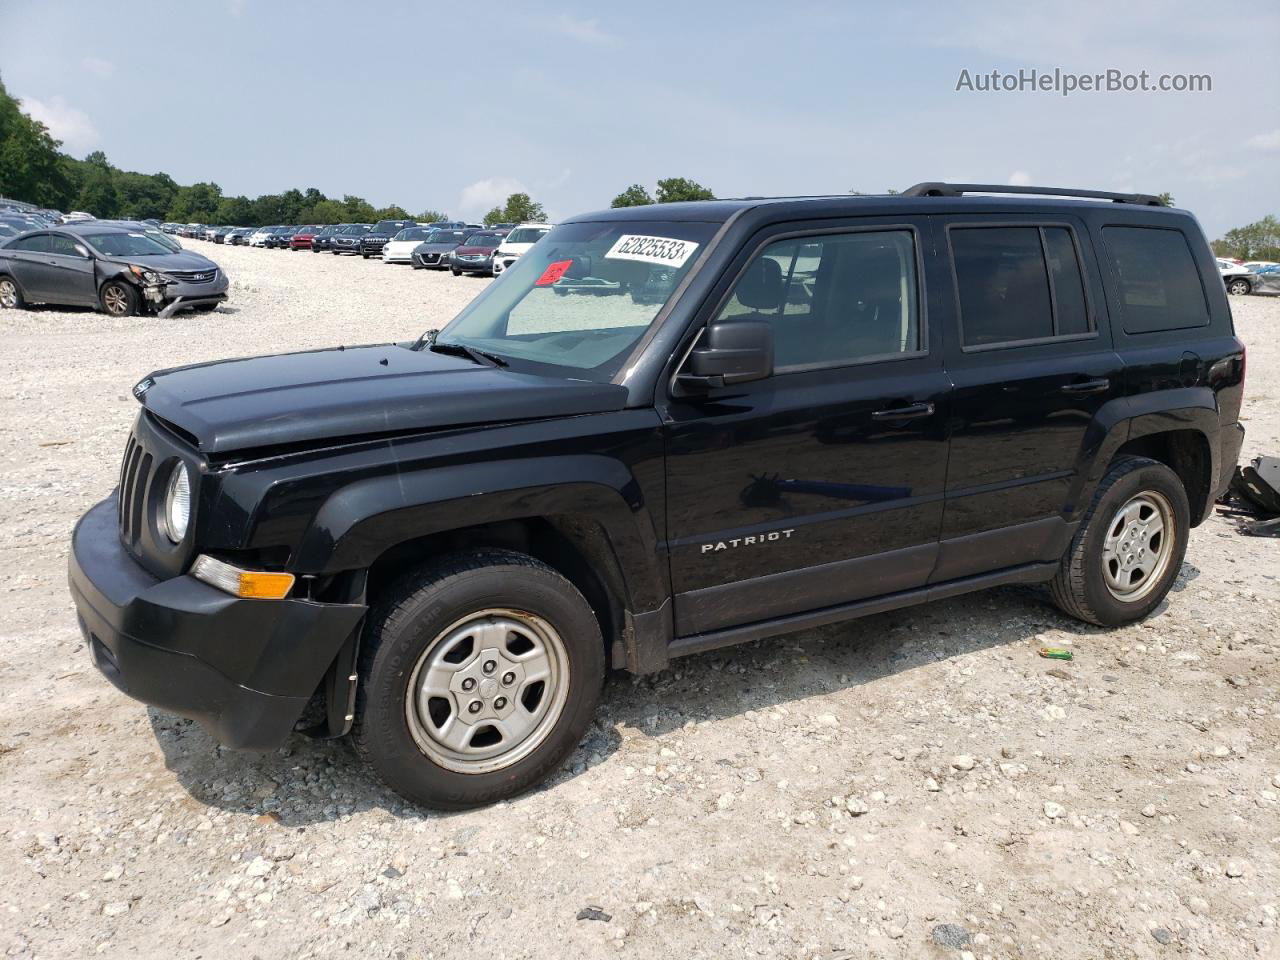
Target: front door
[
  {"x": 823, "y": 483},
  {"x": 69, "y": 272}
]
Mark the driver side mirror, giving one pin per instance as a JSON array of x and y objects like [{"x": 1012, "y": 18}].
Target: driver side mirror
[
  {"x": 83, "y": 251},
  {"x": 729, "y": 353}
]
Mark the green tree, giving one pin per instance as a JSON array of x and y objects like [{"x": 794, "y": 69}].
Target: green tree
[
  {"x": 1166, "y": 199},
  {"x": 393, "y": 212},
  {"x": 430, "y": 216},
  {"x": 31, "y": 168},
  {"x": 358, "y": 210},
  {"x": 1254, "y": 241},
  {"x": 676, "y": 189},
  {"x": 234, "y": 211},
  {"x": 197, "y": 203},
  {"x": 519, "y": 208},
  {"x": 634, "y": 196},
  {"x": 329, "y": 211},
  {"x": 98, "y": 193}
]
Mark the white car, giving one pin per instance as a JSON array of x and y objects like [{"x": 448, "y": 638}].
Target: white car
[
  {"x": 259, "y": 237},
  {"x": 518, "y": 241},
  {"x": 1255, "y": 265},
  {"x": 399, "y": 249},
  {"x": 1238, "y": 278}
]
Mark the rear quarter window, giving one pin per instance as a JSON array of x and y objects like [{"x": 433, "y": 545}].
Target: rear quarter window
[{"x": 1159, "y": 284}]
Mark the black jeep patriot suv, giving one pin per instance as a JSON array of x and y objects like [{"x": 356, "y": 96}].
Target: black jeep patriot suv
[{"x": 665, "y": 430}]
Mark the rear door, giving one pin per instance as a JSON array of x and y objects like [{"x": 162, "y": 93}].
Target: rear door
[
  {"x": 823, "y": 483},
  {"x": 1032, "y": 361},
  {"x": 26, "y": 258}
]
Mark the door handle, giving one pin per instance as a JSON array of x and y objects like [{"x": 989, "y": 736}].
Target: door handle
[
  {"x": 1101, "y": 385},
  {"x": 912, "y": 412}
]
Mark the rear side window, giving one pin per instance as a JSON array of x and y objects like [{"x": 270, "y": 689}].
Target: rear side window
[
  {"x": 1018, "y": 284},
  {"x": 36, "y": 244},
  {"x": 1160, "y": 286}
]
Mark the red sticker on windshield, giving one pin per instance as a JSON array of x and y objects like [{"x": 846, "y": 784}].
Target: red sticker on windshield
[{"x": 553, "y": 273}]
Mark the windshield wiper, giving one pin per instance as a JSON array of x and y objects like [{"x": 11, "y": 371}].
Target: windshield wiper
[{"x": 461, "y": 350}]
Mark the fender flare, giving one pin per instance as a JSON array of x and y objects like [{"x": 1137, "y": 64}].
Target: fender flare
[
  {"x": 1129, "y": 418},
  {"x": 362, "y": 520}
]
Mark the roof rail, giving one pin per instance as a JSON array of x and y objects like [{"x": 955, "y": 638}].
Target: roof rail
[{"x": 960, "y": 189}]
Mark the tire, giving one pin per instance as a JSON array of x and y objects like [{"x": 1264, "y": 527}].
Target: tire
[
  {"x": 426, "y": 628},
  {"x": 1239, "y": 287},
  {"x": 456, "y": 271},
  {"x": 11, "y": 294},
  {"x": 364, "y": 256},
  {"x": 118, "y": 299},
  {"x": 206, "y": 307},
  {"x": 1095, "y": 582}
]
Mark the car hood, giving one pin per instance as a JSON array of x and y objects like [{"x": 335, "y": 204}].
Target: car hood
[
  {"x": 345, "y": 392},
  {"x": 471, "y": 250},
  {"x": 186, "y": 260},
  {"x": 435, "y": 247}
]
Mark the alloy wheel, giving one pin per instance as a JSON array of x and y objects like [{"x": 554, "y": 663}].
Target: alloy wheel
[
  {"x": 115, "y": 300},
  {"x": 488, "y": 690},
  {"x": 8, "y": 294},
  {"x": 1139, "y": 543}
]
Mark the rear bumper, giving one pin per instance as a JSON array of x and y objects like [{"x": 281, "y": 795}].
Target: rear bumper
[
  {"x": 243, "y": 669},
  {"x": 1232, "y": 441}
]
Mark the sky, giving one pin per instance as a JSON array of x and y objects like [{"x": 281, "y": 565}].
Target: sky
[{"x": 454, "y": 106}]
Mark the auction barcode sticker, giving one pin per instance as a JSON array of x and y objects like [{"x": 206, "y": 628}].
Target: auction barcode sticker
[{"x": 664, "y": 250}]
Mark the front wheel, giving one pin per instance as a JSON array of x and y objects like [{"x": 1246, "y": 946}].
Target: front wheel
[
  {"x": 10, "y": 295},
  {"x": 1129, "y": 548},
  {"x": 1238, "y": 287},
  {"x": 456, "y": 271},
  {"x": 119, "y": 299},
  {"x": 478, "y": 676}
]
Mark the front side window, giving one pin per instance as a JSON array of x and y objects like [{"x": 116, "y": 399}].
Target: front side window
[
  {"x": 839, "y": 298},
  {"x": 582, "y": 297},
  {"x": 36, "y": 244},
  {"x": 1159, "y": 284},
  {"x": 64, "y": 246},
  {"x": 1018, "y": 284}
]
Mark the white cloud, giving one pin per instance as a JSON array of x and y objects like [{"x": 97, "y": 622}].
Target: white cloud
[
  {"x": 483, "y": 195},
  {"x": 1265, "y": 141},
  {"x": 73, "y": 127},
  {"x": 1019, "y": 178},
  {"x": 585, "y": 31},
  {"x": 97, "y": 66}
]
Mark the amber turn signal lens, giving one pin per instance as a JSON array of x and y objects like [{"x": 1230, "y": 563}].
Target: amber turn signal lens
[{"x": 249, "y": 584}]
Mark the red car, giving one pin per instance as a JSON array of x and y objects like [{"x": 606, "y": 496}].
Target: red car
[{"x": 302, "y": 239}]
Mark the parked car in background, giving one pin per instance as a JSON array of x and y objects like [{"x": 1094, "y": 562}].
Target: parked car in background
[
  {"x": 433, "y": 253},
  {"x": 278, "y": 238},
  {"x": 399, "y": 249},
  {"x": 77, "y": 216},
  {"x": 475, "y": 254},
  {"x": 301, "y": 238},
  {"x": 259, "y": 236},
  {"x": 1238, "y": 278},
  {"x": 239, "y": 236},
  {"x": 118, "y": 270},
  {"x": 371, "y": 243},
  {"x": 347, "y": 240},
  {"x": 518, "y": 241},
  {"x": 8, "y": 230},
  {"x": 320, "y": 239}
]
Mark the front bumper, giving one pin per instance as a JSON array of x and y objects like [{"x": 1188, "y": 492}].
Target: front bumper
[
  {"x": 472, "y": 266},
  {"x": 243, "y": 669}
]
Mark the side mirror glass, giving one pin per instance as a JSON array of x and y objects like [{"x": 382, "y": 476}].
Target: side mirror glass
[{"x": 729, "y": 353}]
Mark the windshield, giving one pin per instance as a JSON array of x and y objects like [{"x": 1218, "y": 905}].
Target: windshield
[
  {"x": 579, "y": 301},
  {"x": 527, "y": 234},
  {"x": 446, "y": 236},
  {"x": 389, "y": 226},
  {"x": 413, "y": 233},
  {"x": 357, "y": 228},
  {"x": 483, "y": 240},
  {"x": 126, "y": 245}
]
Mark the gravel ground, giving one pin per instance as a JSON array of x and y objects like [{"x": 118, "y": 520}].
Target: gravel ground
[{"x": 913, "y": 784}]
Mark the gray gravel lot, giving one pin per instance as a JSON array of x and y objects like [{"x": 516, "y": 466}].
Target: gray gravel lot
[{"x": 913, "y": 784}]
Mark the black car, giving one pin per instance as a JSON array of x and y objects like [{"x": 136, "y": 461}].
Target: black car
[
  {"x": 116, "y": 269},
  {"x": 433, "y": 253},
  {"x": 371, "y": 243},
  {"x": 278, "y": 238},
  {"x": 348, "y": 239},
  {"x": 743, "y": 418},
  {"x": 320, "y": 241}
]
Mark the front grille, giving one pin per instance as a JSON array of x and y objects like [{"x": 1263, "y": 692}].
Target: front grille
[
  {"x": 135, "y": 471},
  {"x": 193, "y": 276}
]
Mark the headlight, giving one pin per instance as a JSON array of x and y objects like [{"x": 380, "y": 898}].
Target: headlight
[
  {"x": 148, "y": 276},
  {"x": 177, "y": 504}
]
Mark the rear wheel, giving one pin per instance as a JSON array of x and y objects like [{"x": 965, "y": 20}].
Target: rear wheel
[
  {"x": 1129, "y": 548},
  {"x": 456, "y": 271},
  {"x": 1239, "y": 287},
  {"x": 478, "y": 676},
  {"x": 119, "y": 299},
  {"x": 10, "y": 296}
]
